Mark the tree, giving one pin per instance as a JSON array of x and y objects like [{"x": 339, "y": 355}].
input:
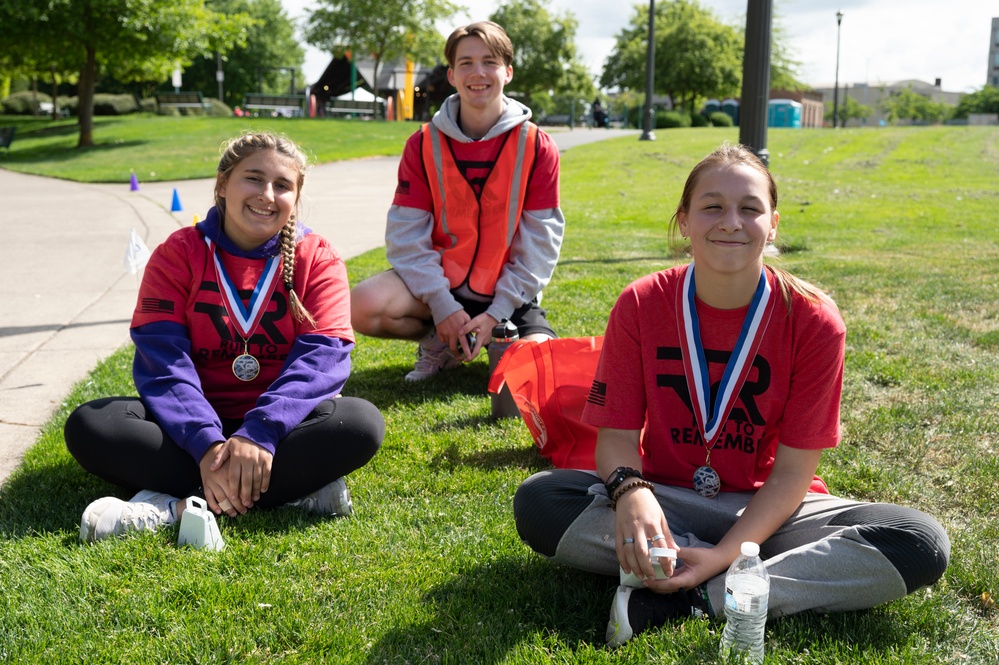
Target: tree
[
  {"x": 985, "y": 100},
  {"x": 909, "y": 105},
  {"x": 133, "y": 40},
  {"x": 784, "y": 67},
  {"x": 19, "y": 55},
  {"x": 546, "y": 63},
  {"x": 270, "y": 43},
  {"x": 696, "y": 55},
  {"x": 849, "y": 108},
  {"x": 385, "y": 29}
]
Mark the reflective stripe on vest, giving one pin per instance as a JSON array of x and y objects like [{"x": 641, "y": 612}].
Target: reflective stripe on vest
[{"x": 473, "y": 234}]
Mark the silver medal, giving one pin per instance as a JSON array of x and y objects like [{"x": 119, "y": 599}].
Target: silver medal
[
  {"x": 707, "y": 483},
  {"x": 245, "y": 367}
]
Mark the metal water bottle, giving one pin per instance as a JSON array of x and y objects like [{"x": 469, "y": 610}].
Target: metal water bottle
[{"x": 504, "y": 334}]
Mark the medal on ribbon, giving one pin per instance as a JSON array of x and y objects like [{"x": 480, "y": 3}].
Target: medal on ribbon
[
  {"x": 245, "y": 317},
  {"x": 711, "y": 415}
]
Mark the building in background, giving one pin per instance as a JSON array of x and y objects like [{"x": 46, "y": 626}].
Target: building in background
[
  {"x": 871, "y": 94},
  {"x": 427, "y": 86}
]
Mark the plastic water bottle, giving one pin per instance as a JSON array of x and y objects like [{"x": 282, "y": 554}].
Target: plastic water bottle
[
  {"x": 747, "y": 596},
  {"x": 504, "y": 334}
]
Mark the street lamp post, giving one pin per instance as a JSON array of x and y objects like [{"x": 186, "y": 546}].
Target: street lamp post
[
  {"x": 754, "y": 106},
  {"x": 839, "y": 20},
  {"x": 650, "y": 62}
]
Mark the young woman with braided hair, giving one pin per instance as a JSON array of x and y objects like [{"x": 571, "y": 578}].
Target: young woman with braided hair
[{"x": 242, "y": 341}]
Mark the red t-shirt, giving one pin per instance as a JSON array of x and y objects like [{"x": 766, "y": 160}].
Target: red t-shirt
[
  {"x": 180, "y": 286},
  {"x": 791, "y": 395},
  {"x": 476, "y": 159}
]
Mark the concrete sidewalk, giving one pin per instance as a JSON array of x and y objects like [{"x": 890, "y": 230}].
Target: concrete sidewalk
[{"x": 67, "y": 299}]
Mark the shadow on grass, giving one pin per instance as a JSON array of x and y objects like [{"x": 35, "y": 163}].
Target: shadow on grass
[
  {"x": 384, "y": 385},
  {"x": 48, "y": 498},
  {"x": 487, "y": 612},
  {"x": 483, "y": 613},
  {"x": 520, "y": 457}
]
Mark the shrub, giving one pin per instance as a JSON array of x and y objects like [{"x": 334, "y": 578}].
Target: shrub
[
  {"x": 217, "y": 108},
  {"x": 699, "y": 120},
  {"x": 24, "y": 103},
  {"x": 71, "y": 104},
  {"x": 720, "y": 119},
  {"x": 672, "y": 119},
  {"x": 105, "y": 104}
]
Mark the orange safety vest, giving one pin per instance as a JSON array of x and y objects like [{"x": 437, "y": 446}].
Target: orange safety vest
[{"x": 473, "y": 234}]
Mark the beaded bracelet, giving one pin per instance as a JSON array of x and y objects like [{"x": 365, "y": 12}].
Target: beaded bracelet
[{"x": 627, "y": 488}]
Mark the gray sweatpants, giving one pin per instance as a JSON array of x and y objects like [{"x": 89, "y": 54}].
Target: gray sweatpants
[{"x": 831, "y": 555}]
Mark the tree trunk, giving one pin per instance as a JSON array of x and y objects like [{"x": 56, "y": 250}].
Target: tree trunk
[
  {"x": 55, "y": 96},
  {"x": 374, "y": 88},
  {"x": 88, "y": 81}
]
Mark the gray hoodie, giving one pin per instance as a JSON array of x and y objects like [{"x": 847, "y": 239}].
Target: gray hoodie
[{"x": 533, "y": 252}]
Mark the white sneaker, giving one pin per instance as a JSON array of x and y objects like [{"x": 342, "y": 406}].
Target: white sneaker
[
  {"x": 432, "y": 357},
  {"x": 110, "y": 516},
  {"x": 331, "y": 499},
  {"x": 618, "y": 628}
]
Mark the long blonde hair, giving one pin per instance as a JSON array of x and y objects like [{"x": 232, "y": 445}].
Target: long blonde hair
[
  {"x": 236, "y": 150},
  {"x": 725, "y": 155}
]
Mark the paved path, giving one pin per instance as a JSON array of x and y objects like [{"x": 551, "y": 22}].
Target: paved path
[{"x": 66, "y": 299}]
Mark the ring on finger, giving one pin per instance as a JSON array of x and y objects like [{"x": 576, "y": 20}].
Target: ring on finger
[
  {"x": 658, "y": 536},
  {"x": 629, "y": 541}
]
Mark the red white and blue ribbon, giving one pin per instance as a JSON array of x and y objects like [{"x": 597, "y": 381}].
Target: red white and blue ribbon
[
  {"x": 711, "y": 417},
  {"x": 246, "y": 317}
]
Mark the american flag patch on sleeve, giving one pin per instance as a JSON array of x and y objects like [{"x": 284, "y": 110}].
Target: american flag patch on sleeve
[
  {"x": 402, "y": 188},
  {"x": 154, "y": 305},
  {"x": 598, "y": 393}
]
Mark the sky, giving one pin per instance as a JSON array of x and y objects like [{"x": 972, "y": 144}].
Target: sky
[{"x": 881, "y": 41}]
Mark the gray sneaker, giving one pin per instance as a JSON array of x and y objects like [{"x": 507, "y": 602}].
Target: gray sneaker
[
  {"x": 332, "y": 499},
  {"x": 110, "y": 516},
  {"x": 432, "y": 357}
]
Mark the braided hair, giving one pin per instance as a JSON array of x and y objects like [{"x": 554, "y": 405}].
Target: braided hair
[{"x": 236, "y": 150}]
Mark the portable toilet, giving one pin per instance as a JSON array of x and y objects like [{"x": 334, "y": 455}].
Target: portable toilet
[
  {"x": 731, "y": 107},
  {"x": 711, "y": 106},
  {"x": 784, "y": 113}
]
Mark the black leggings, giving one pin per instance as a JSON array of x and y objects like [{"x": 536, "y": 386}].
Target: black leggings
[{"x": 117, "y": 439}]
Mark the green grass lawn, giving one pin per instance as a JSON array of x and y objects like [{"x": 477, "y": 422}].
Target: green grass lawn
[
  {"x": 159, "y": 148},
  {"x": 899, "y": 225}
]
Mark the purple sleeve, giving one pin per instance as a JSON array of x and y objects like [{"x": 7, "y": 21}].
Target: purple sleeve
[
  {"x": 169, "y": 385},
  {"x": 167, "y": 381},
  {"x": 316, "y": 369}
]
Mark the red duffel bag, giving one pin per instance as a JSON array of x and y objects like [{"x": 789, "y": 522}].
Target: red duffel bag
[{"x": 549, "y": 382}]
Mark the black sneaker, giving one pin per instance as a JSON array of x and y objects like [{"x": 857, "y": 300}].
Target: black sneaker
[{"x": 635, "y": 611}]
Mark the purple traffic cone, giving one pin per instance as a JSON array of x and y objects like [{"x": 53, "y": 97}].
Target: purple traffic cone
[
  {"x": 135, "y": 183},
  {"x": 175, "y": 206}
]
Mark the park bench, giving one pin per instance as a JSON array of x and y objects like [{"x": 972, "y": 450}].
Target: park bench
[
  {"x": 289, "y": 106},
  {"x": 180, "y": 100},
  {"x": 356, "y": 107},
  {"x": 6, "y": 137}
]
